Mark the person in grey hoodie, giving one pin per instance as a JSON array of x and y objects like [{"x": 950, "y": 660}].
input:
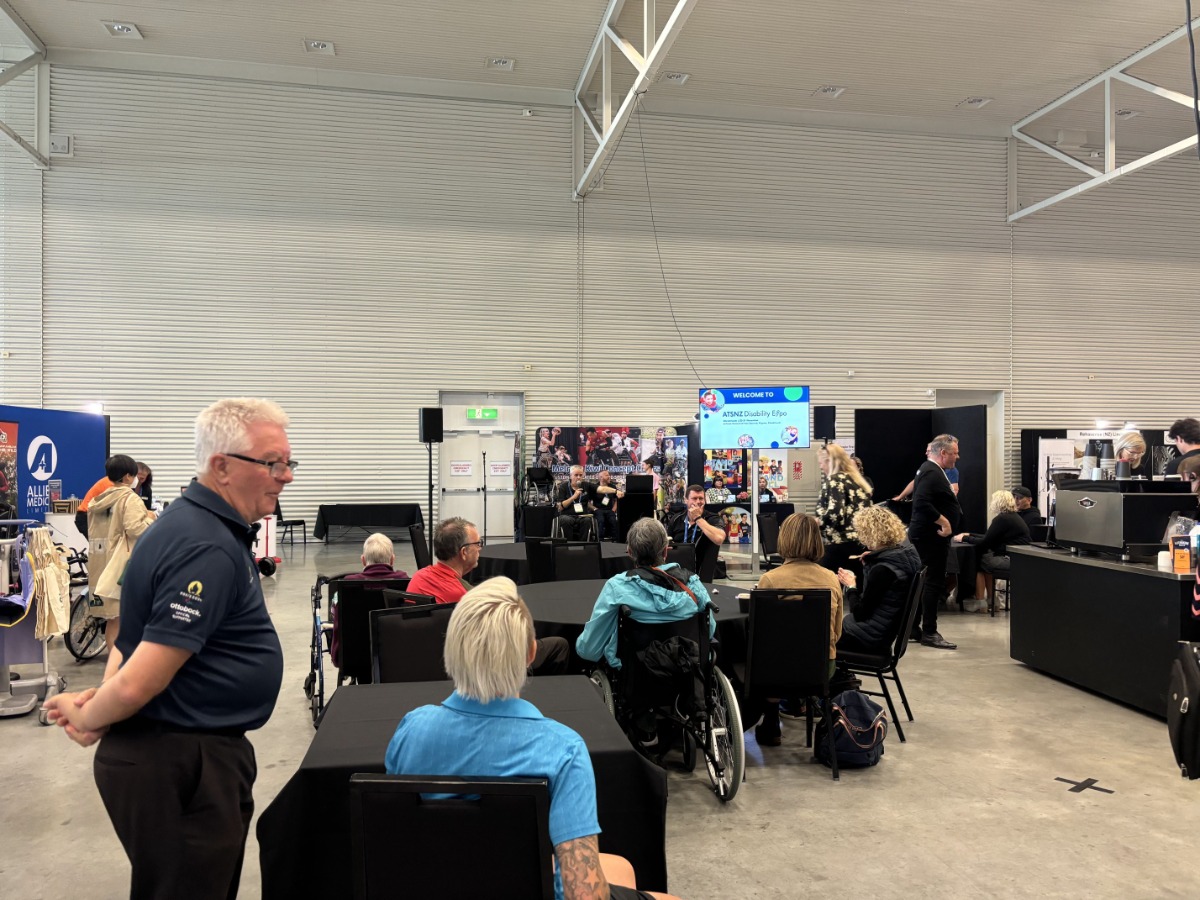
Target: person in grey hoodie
[{"x": 116, "y": 519}]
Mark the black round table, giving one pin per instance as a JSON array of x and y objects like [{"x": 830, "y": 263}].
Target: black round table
[
  {"x": 510, "y": 560},
  {"x": 562, "y": 608}
]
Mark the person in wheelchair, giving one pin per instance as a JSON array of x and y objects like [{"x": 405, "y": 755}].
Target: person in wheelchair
[
  {"x": 378, "y": 560},
  {"x": 484, "y": 728},
  {"x": 654, "y": 591}
]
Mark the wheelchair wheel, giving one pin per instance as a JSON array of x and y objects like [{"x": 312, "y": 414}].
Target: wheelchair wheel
[
  {"x": 689, "y": 751},
  {"x": 85, "y": 636},
  {"x": 604, "y": 688},
  {"x": 266, "y": 566},
  {"x": 726, "y": 749}
]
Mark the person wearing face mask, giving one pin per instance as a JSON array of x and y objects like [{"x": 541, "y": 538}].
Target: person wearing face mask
[{"x": 116, "y": 519}]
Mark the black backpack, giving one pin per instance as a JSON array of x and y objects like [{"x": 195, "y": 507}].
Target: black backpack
[
  {"x": 859, "y": 727},
  {"x": 1183, "y": 709}
]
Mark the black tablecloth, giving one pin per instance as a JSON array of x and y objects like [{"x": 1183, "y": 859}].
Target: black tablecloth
[
  {"x": 373, "y": 516},
  {"x": 510, "y": 560},
  {"x": 304, "y": 834}
]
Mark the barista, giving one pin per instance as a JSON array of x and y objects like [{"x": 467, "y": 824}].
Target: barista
[{"x": 1130, "y": 447}]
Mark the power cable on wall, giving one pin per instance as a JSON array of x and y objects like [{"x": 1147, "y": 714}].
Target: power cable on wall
[{"x": 1191, "y": 33}]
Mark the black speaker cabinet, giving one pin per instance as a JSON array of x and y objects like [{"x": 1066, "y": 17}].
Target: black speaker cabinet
[
  {"x": 823, "y": 422},
  {"x": 430, "y": 424}
]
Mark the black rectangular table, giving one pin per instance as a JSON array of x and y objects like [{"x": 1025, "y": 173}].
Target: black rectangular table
[
  {"x": 1107, "y": 626},
  {"x": 304, "y": 834},
  {"x": 367, "y": 517}
]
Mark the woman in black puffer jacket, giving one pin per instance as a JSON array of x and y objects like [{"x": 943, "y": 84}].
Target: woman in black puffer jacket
[{"x": 891, "y": 564}]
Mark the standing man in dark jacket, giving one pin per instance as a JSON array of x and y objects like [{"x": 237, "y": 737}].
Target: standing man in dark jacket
[{"x": 935, "y": 516}]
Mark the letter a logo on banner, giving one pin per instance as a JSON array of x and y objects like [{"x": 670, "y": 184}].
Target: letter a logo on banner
[{"x": 42, "y": 458}]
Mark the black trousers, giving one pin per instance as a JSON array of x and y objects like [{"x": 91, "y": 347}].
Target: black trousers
[
  {"x": 933, "y": 552},
  {"x": 606, "y": 525},
  {"x": 552, "y": 657},
  {"x": 181, "y": 805}
]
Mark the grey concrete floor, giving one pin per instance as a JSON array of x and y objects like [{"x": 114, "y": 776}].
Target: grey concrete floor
[{"x": 968, "y": 807}]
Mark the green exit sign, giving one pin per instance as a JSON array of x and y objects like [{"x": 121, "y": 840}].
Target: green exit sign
[{"x": 482, "y": 412}]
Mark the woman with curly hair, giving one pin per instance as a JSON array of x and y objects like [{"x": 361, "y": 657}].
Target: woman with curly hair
[
  {"x": 844, "y": 491},
  {"x": 891, "y": 563}
]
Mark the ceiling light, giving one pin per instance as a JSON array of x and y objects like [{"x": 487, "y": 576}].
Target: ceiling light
[
  {"x": 973, "y": 103},
  {"x": 122, "y": 30},
  {"x": 1127, "y": 113},
  {"x": 501, "y": 63},
  {"x": 829, "y": 91},
  {"x": 324, "y": 48},
  {"x": 675, "y": 78}
]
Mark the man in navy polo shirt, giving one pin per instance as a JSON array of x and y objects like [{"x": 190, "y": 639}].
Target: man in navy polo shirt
[{"x": 197, "y": 664}]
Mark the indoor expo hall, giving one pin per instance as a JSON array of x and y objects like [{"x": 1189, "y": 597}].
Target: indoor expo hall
[{"x": 542, "y": 217}]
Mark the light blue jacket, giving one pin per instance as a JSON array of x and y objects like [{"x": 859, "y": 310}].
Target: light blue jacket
[{"x": 649, "y": 603}]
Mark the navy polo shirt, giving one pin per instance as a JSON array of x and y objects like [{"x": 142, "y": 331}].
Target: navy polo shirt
[{"x": 192, "y": 583}]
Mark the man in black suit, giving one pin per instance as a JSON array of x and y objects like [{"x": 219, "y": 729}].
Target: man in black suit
[{"x": 935, "y": 517}]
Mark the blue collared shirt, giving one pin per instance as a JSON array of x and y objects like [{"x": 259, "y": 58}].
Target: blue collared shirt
[{"x": 503, "y": 738}]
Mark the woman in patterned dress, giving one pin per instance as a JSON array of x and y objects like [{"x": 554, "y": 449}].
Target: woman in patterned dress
[{"x": 844, "y": 491}]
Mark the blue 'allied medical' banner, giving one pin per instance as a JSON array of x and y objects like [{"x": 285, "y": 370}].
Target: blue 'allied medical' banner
[{"x": 58, "y": 455}]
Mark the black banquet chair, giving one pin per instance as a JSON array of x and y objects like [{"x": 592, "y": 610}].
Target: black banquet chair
[
  {"x": 883, "y": 665},
  {"x": 683, "y": 555},
  {"x": 787, "y": 652},
  {"x": 286, "y": 528},
  {"x": 577, "y": 561},
  {"x": 539, "y": 554},
  {"x": 416, "y": 534},
  {"x": 398, "y": 837},
  {"x": 407, "y": 643},
  {"x": 768, "y": 541}
]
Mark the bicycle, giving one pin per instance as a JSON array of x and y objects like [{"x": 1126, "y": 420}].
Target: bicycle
[{"x": 85, "y": 636}]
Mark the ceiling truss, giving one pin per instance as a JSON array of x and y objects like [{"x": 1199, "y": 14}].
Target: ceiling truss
[
  {"x": 1111, "y": 171},
  {"x": 605, "y": 125},
  {"x": 35, "y": 59}
]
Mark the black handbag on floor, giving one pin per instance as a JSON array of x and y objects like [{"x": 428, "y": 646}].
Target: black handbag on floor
[{"x": 1183, "y": 709}]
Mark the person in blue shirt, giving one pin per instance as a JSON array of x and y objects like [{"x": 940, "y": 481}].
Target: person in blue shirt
[
  {"x": 654, "y": 592},
  {"x": 484, "y": 728}
]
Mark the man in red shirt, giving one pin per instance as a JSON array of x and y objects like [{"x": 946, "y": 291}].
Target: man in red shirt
[{"x": 457, "y": 545}]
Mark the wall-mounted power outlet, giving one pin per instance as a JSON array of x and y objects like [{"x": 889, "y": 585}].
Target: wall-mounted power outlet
[{"x": 62, "y": 145}]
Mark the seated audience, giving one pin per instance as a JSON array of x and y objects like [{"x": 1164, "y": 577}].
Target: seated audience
[
  {"x": 570, "y": 500},
  {"x": 457, "y": 545},
  {"x": 655, "y": 591},
  {"x": 379, "y": 561},
  {"x": 890, "y": 563},
  {"x": 1007, "y": 529},
  {"x": 1023, "y": 497},
  {"x": 801, "y": 547},
  {"x": 718, "y": 493},
  {"x": 484, "y": 728}
]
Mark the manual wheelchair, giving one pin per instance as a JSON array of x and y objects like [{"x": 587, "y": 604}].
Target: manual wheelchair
[{"x": 670, "y": 692}]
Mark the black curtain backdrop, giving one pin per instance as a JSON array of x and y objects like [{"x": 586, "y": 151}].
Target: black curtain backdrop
[{"x": 969, "y": 425}]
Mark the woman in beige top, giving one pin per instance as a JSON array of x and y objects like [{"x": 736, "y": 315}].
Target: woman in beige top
[{"x": 801, "y": 547}]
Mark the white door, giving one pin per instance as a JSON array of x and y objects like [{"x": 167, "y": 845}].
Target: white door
[{"x": 463, "y": 476}]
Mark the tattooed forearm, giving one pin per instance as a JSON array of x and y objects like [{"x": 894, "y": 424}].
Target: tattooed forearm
[{"x": 579, "y": 863}]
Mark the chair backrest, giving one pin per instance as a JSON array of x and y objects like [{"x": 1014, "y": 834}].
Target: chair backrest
[
  {"x": 787, "y": 649},
  {"x": 577, "y": 561},
  {"x": 407, "y": 643},
  {"x": 638, "y": 685},
  {"x": 706, "y": 559},
  {"x": 416, "y": 534},
  {"x": 684, "y": 554},
  {"x": 912, "y": 609},
  {"x": 768, "y": 534},
  {"x": 539, "y": 553},
  {"x": 352, "y": 623},
  {"x": 399, "y": 827},
  {"x": 398, "y": 599}
]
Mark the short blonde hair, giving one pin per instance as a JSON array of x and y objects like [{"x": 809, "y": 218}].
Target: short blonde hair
[
  {"x": 378, "y": 549},
  {"x": 878, "y": 527},
  {"x": 488, "y": 642},
  {"x": 224, "y": 427},
  {"x": 1129, "y": 440},
  {"x": 1002, "y": 502},
  {"x": 800, "y": 538}
]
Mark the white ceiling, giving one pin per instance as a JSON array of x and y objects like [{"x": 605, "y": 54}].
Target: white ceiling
[{"x": 906, "y": 64}]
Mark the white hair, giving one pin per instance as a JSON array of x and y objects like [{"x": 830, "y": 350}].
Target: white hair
[
  {"x": 488, "y": 642},
  {"x": 378, "y": 549},
  {"x": 224, "y": 427}
]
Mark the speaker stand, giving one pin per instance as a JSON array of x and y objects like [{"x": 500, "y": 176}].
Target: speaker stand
[
  {"x": 429, "y": 533},
  {"x": 485, "y": 474}
]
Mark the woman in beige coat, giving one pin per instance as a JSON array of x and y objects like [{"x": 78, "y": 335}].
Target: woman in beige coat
[{"x": 116, "y": 519}]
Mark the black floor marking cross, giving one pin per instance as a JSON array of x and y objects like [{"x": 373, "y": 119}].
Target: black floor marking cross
[{"x": 1078, "y": 787}]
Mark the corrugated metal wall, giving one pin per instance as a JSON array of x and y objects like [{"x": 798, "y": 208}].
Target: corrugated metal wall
[
  {"x": 350, "y": 254},
  {"x": 20, "y": 251}
]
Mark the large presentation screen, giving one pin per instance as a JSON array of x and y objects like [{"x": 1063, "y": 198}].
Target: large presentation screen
[{"x": 749, "y": 417}]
